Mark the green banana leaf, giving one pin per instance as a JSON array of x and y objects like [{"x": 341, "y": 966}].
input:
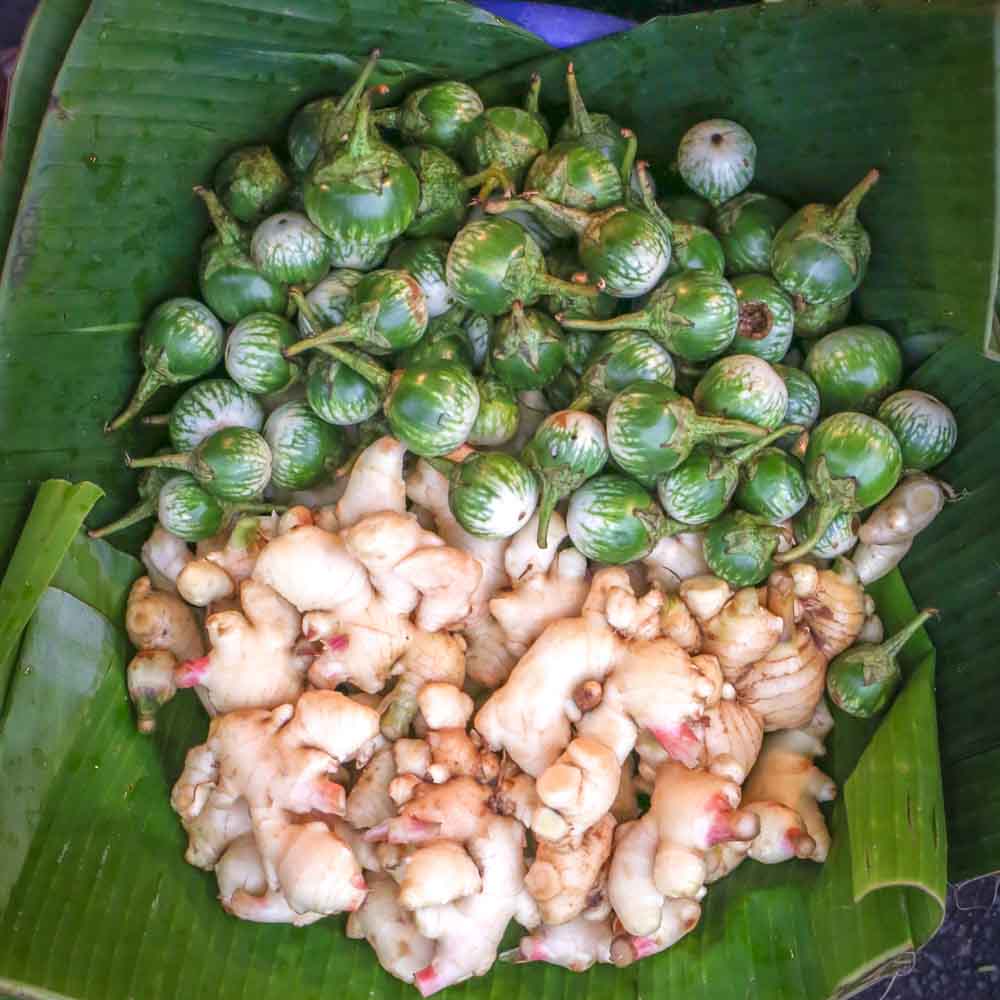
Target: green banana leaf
[{"x": 95, "y": 900}]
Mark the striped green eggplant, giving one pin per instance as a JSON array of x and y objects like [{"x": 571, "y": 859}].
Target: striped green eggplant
[
  {"x": 767, "y": 318},
  {"x": 527, "y": 351},
  {"x": 186, "y": 509},
  {"x": 207, "y": 407},
  {"x": 326, "y": 302},
  {"x": 803, "y": 400},
  {"x": 344, "y": 386},
  {"x": 492, "y": 494},
  {"x": 621, "y": 358},
  {"x": 840, "y": 536},
  {"x": 304, "y": 448},
  {"x": 740, "y": 548},
  {"x": 716, "y": 159},
  {"x": 814, "y": 320},
  {"x": 424, "y": 259},
  {"x": 439, "y": 114},
  {"x": 497, "y": 419},
  {"x": 250, "y": 182},
  {"x": 746, "y": 226},
  {"x": 432, "y": 409},
  {"x": 743, "y": 387},
  {"x": 289, "y": 249},
  {"x": 695, "y": 248},
  {"x": 854, "y": 368},
  {"x": 924, "y": 427},
  {"x": 772, "y": 486},
  {"x": 255, "y": 354}
]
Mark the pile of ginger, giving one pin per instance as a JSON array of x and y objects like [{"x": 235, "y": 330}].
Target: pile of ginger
[{"x": 438, "y": 734}]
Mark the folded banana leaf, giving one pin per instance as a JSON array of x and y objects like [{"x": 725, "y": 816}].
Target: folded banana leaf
[{"x": 95, "y": 900}]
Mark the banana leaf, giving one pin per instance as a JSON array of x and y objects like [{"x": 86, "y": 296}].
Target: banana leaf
[{"x": 95, "y": 901}]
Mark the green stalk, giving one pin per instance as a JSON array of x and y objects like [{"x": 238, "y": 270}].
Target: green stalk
[
  {"x": 362, "y": 328},
  {"x": 534, "y": 93},
  {"x": 349, "y": 98},
  {"x": 369, "y": 370},
  {"x": 140, "y": 512},
  {"x": 387, "y": 117},
  {"x": 832, "y": 496},
  {"x": 156, "y": 420},
  {"x": 747, "y": 451},
  {"x": 228, "y": 229},
  {"x": 846, "y": 212},
  {"x": 150, "y": 382},
  {"x": 579, "y": 117},
  {"x": 628, "y": 159},
  {"x": 181, "y": 460},
  {"x": 892, "y": 647}
]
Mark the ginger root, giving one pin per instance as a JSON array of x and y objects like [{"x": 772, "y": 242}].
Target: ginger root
[
  {"x": 783, "y": 791},
  {"x": 834, "y": 605},
  {"x": 150, "y": 678},
  {"x": 675, "y": 559},
  {"x": 741, "y": 633},
  {"x": 576, "y": 945},
  {"x": 580, "y": 787},
  {"x": 375, "y": 484},
  {"x": 155, "y": 619}
]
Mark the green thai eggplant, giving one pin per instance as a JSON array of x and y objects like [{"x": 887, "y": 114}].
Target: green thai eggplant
[
  {"x": 924, "y": 427},
  {"x": 344, "y": 386},
  {"x": 527, "y": 351},
  {"x": 425, "y": 260},
  {"x": 854, "y": 368},
  {"x": 388, "y": 313},
  {"x": 493, "y": 263},
  {"x": 207, "y": 407},
  {"x": 687, "y": 208},
  {"x": 304, "y": 448},
  {"x": 580, "y": 346},
  {"x": 181, "y": 341},
  {"x": 803, "y": 401},
  {"x": 614, "y": 520},
  {"x": 746, "y": 226},
  {"x": 815, "y": 320},
  {"x": 694, "y": 248},
  {"x": 563, "y": 263},
  {"x": 361, "y": 193},
  {"x": 233, "y": 464},
  {"x": 767, "y": 318},
  {"x": 716, "y": 159},
  {"x": 491, "y": 494},
  {"x": 693, "y": 315},
  {"x": 821, "y": 253},
  {"x": 326, "y": 117},
  {"x": 228, "y": 278},
  {"x": 432, "y": 409},
  {"x": 652, "y": 429},
  {"x": 251, "y": 183},
  {"x": 444, "y": 342},
  {"x": 566, "y": 449},
  {"x": 186, "y": 509},
  {"x": 863, "y": 679},
  {"x": 255, "y": 354},
  {"x": 852, "y": 462},
  {"x": 621, "y": 358},
  {"x": 772, "y": 486},
  {"x": 743, "y": 387},
  {"x": 700, "y": 488},
  {"x": 436, "y": 115},
  {"x": 841, "y": 533},
  {"x": 596, "y": 130},
  {"x": 479, "y": 329},
  {"x": 289, "y": 249},
  {"x": 497, "y": 419},
  {"x": 740, "y": 548},
  {"x": 327, "y": 303}
]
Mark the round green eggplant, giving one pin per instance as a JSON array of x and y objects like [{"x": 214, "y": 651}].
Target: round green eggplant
[
  {"x": 387, "y": 313},
  {"x": 821, "y": 253},
  {"x": 479, "y": 331},
  {"x": 863, "y": 679},
  {"x": 814, "y": 320},
  {"x": 207, "y": 407},
  {"x": 255, "y": 354},
  {"x": 181, "y": 341},
  {"x": 327, "y": 303},
  {"x": 740, "y": 548},
  {"x": 439, "y": 114},
  {"x": 651, "y": 429},
  {"x": 700, "y": 488},
  {"x": 614, "y": 520},
  {"x": 854, "y": 368},
  {"x": 492, "y": 495},
  {"x": 444, "y": 342},
  {"x": 687, "y": 208},
  {"x": 345, "y": 387},
  {"x": 852, "y": 462},
  {"x": 567, "y": 449},
  {"x": 716, "y": 159},
  {"x": 327, "y": 118},
  {"x": 743, "y": 387},
  {"x": 289, "y": 249},
  {"x": 425, "y": 260},
  {"x": 841, "y": 533},
  {"x": 577, "y": 174},
  {"x": 498, "y": 416},
  {"x": 694, "y": 315},
  {"x": 767, "y": 318},
  {"x": 493, "y": 263},
  {"x": 924, "y": 427},
  {"x": 694, "y": 248},
  {"x": 232, "y": 464},
  {"x": 431, "y": 410},
  {"x": 506, "y": 140},
  {"x": 803, "y": 400},
  {"x": 527, "y": 350},
  {"x": 772, "y": 486},
  {"x": 444, "y": 196},
  {"x": 746, "y": 226},
  {"x": 229, "y": 281},
  {"x": 251, "y": 183},
  {"x": 598, "y": 130},
  {"x": 621, "y": 358},
  {"x": 361, "y": 194},
  {"x": 304, "y": 448},
  {"x": 565, "y": 265},
  {"x": 189, "y": 511},
  {"x": 580, "y": 347}
]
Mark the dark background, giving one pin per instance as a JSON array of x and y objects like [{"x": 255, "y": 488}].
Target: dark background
[{"x": 963, "y": 959}]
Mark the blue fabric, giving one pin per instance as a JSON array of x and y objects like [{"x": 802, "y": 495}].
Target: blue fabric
[{"x": 560, "y": 26}]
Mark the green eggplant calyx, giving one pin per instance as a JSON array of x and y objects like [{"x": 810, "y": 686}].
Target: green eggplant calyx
[
  {"x": 360, "y": 363},
  {"x": 387, "y": 117},
  {"x": 579, "y": 117},
  {"x": 845, "y": 214},
  {"x": 554, "y": 483},
  {"x": 705, "y": 428},
  {"x": 140, "y": 512},
  {"x": 229, "y": 231},
  {"x": 628, "y": 159},
  {"x": 490, "y": 179},
  {"x": 747, "y": 538},
  {"x": 551, "y": 285},
  {"x": 743, "y": 454},
  {"x": 341, "y": 119},
  {"x": 577, "y": 219},
  {"x": 647, "y": 193},
  {"x": 358, "y": 329},
  {"x": 833, "y": 497},
  {"x": 149, "y": 384},
  {"x": 297, "y": 299}
]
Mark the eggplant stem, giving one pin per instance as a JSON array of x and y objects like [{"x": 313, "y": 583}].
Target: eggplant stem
[
  {"x": 578, "y": 115},
  {"x": 846, "y": 211},
  {"x": 140, "y": 512},
  {"x": 227, "y": 228},
  {"x": 156, "y": 420},
  {"x": 747, "y": 451},
  {"x": 181, "y": 460},
  {"x": 349, "y": 98},
  {"x": 150, "y": 382},
  {"x": 357, "y": 362},
  {"x": 891, "y": 647},
  {"x": 826, "y": 516}
]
